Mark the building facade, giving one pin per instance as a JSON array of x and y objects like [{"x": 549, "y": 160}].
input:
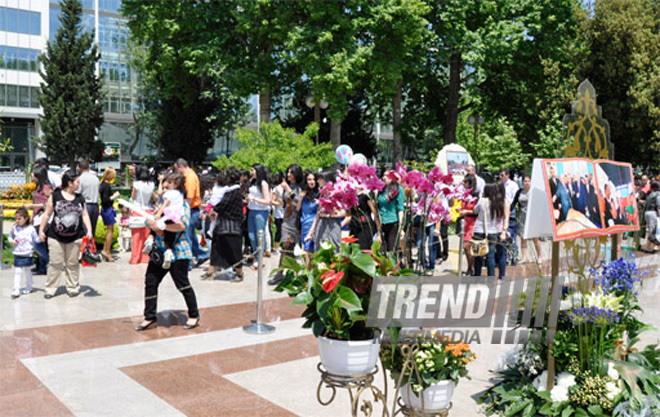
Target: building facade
[{"x": 25, "y": 28}]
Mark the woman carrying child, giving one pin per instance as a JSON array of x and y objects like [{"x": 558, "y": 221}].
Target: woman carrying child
[{"x": 169, "y": 212}]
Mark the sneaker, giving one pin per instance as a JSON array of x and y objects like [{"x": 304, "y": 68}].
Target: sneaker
[
  {"x": 27, "y": 290},
  {"x": 148, "y": 245},
  {"x": 168, "y": 258},
  {"x": 15, "y": 294}
]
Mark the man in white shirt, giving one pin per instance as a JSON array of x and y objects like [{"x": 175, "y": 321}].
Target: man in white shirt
[
  {"x": 89, "y": 189},
  {"x": 510, "y": 190},
  {"x": 471, "y": 169}
]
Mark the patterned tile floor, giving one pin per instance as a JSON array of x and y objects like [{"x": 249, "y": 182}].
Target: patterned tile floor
[{"x": 81, "y": 356}]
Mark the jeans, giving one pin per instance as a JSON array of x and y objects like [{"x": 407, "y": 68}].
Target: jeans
[
  {"x": 512, "y": 240},
  {"x": 443, "y": 250},
  {"x": 42, "y": 256},
  {"x": 257, "y": 220},
  {"x": 154, "y": 276},
  {"x": 432, "y": 242},
  {"x": 490, "y": 257},
  {"x": 191, "y": 235}
]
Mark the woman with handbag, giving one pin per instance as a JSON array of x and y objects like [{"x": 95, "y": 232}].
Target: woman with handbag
[
  {"x": 64, "y": 234},
  {"x": 178, "y": 270},
  {"x": 485, "y": 237}
]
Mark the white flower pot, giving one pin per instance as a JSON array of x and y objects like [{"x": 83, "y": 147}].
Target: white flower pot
[
  {"x": 436, "y": 397},
  {"x": 348, "y": 358}
]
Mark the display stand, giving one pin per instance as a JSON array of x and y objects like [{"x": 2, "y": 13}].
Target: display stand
[{"x": 356, "y": 385}]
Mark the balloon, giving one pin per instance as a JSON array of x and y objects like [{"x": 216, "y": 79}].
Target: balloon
[
  {"x": 344, "y": 153},
  {"x": 359, "y": 159}
]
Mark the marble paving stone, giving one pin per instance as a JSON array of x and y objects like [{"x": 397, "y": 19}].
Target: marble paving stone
[{"x": 39, "y": 402}]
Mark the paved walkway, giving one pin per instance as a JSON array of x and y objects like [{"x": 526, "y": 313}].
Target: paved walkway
[{"x": 81, "y": 356}]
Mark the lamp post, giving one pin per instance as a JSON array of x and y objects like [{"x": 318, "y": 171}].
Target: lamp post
[
  {"x": 476, "y": 120},
  {"x": 317, "y": 105}
]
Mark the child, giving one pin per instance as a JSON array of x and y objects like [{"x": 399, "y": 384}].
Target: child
[
  {"x": 171, "y": 211},
  {"x": 22, "y": 237},
  {"x": 125, "y": 231}
]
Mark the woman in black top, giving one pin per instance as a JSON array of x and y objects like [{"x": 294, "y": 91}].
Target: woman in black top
[
  {"x": 226, "y": 248},
  {"x": 65, "y": 234},
  {"x": 108, "y": 213}
]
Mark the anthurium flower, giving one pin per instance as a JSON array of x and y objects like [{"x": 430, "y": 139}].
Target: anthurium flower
[
  {"x": 330, "y": 279},
  {"x": 350, "y": 239}
]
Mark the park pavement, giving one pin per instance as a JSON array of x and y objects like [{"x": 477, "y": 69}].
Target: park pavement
[{"x": 81, "y": 356}]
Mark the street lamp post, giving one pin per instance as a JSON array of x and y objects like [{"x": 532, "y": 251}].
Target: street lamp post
[
  {"x": 476, "y": 120},
  {"x": 312, "y": 102}
]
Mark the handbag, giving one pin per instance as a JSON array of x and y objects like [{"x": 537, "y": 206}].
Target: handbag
[
  {"x": 480, "y": 246},
  {"x": 89, "y": 255}
]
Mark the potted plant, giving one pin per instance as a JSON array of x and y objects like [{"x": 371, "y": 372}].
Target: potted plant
[
  {"x": 427, "y": 372},
  {"x": 336, "y": 290}
]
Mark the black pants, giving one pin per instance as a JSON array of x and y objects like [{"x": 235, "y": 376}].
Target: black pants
[
  {"x": 93, "y": 212},
  {"x": 443, "y": 249},
  {"x": 390, "y": 231},
  {"x": 278, "y": 230},
  {"x": 155, "y": 274}
]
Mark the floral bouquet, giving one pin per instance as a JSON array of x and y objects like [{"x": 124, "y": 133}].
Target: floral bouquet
[
  {"x": 599, "y": 371},
  {"x": 434, "y": 361}
]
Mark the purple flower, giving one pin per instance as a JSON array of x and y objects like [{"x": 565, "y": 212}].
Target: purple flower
[
  {"x": 618, "y": 277},
  {"x": 592, "y": 315}
]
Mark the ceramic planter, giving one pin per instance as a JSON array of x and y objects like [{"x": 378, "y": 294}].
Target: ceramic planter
[
  {"x": 348, "y": 358},
  {"x": 436, "y": 397}
]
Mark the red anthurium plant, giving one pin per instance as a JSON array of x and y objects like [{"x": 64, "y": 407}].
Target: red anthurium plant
[{"x": 337, "y": 288}]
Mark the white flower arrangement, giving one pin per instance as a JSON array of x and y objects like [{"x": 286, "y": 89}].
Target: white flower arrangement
[
  {"x": 541, "y": 382},
  {"x": 559, "y": 394},
  {"x": 601, "y": 300}
]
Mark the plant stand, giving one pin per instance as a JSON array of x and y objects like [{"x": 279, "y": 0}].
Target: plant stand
[
  {"x": 411, "y": 412},
  {"x": 357, "y": 383}
]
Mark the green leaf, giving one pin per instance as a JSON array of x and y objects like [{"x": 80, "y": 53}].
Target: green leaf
[
  {"x": 595, "y": 410},
  {"x": 349, "y": 300},
  {"x": 291, "y": 263},
  {"x": 365, "y": 262},
  {"x": 304, "y": 298},
  {"x": 518, "y": 407},
  {"x": 568, "y": 411},
  {"x": 318, "y": 328}
]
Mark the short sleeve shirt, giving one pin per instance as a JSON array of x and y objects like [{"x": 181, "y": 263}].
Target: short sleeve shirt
[{"x": 192, "y": 188}]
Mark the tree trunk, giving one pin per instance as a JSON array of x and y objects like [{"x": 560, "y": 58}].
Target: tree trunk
[
  {"x": 455, "y": 64},
  {"x": 396, "y": 122},
  {"x": 335, "y": 133},
  {"x": 264, "y": 105}
]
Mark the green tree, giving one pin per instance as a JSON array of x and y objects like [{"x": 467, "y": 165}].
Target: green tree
[
  {"x": 72, "y": 99},
  {"x": 276, "y": 148},
  {"x": 623, "y": 64},
  {"x": 325, "y": 47},
  {"x": 190, "y": 100},
  {"x": 396, "y": 29}
]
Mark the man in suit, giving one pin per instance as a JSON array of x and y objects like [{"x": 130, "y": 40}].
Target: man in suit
[
  {"x": 563, "y": 198},
  {"x": 553, "y": 185}
]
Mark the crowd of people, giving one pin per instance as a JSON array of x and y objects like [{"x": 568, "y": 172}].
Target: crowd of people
[{"x": 235, "y": 207}]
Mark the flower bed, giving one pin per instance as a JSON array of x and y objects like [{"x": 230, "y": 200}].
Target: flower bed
[{"x": 599, "y": 369}]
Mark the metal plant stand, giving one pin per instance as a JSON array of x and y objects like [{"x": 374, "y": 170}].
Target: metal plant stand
[{"x": 356, "y": 386}]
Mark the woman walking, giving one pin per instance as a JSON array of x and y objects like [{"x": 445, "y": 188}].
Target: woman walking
[
  {"x": 108, "y": 213},
  {"x": 65, "y": 234},
  {"x": 178, "y": 271}
]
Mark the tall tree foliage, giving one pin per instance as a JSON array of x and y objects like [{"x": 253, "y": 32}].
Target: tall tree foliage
[
  {"x": 72, "y": 99},
  {"x": 623, "y": 64},
  {"x": 325, "y": 46},
  {"x": 192, "y": 101},
  {"x": 396, "y": 30}
]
